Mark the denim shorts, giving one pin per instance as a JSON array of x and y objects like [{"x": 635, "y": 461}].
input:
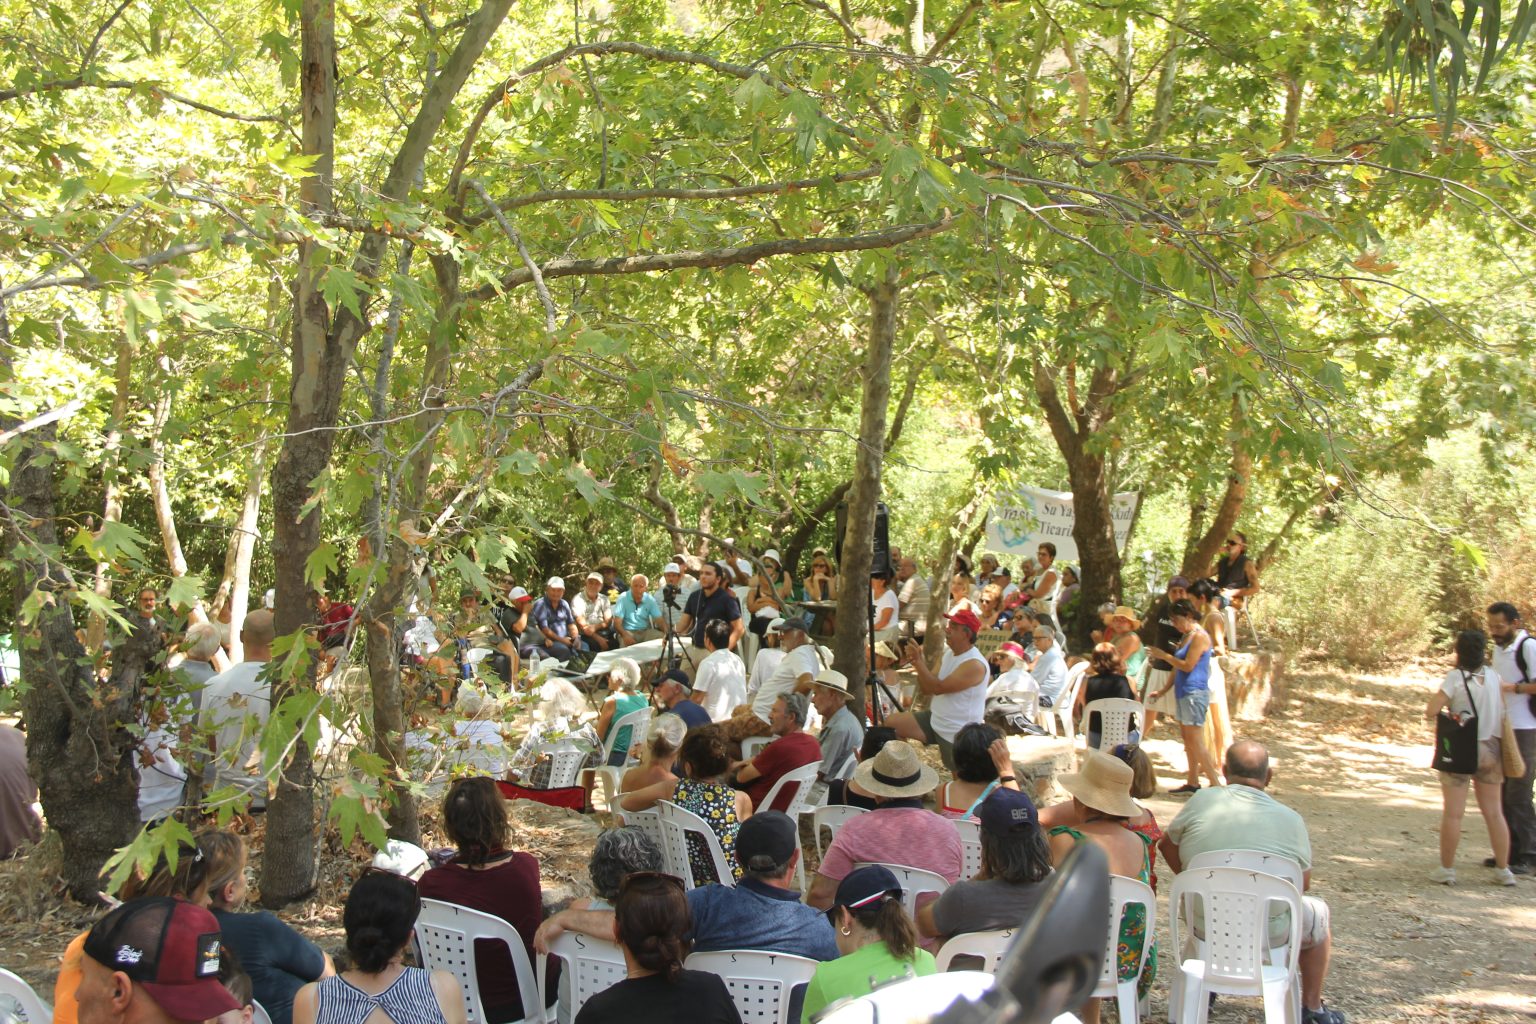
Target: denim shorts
[{"x": 1193, "y": 706}]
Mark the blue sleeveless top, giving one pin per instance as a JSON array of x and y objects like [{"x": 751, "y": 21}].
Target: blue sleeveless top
[{"x": 1197, "y": 678}]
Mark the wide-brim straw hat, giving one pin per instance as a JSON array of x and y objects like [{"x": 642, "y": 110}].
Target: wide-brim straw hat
[
  {"x": 1129, "y": 614},
  {"x": 1104, "y": 784},
  {"x": 896, "y": 772}
]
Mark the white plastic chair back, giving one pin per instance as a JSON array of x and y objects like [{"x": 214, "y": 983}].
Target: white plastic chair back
[
  {"x": 753, "y": 745},
  {"x": 1230, "y": 958},
  {"x": 989, "y": 947},
  {"x": 831, "y": 817},
  {"x": 591, "y": 966},
  {"x": 1118, "y": 718},
  {"x": 676, "y": 823},
  {"x": 1252, "y": 860},
  {"x": 1061, "y": 711},
  {"x": 1125, "y": 893},
  {"x": 760, "y": 982},
  {"x": 565, "y": 767},
  {"x": 801, "y": 780},
  {"x": 970, "y": 847},
  {"x": 610, "y": 775},
  {"x": 445, "y": 936},
  {"x": 914, "y": 882},
  {"x": 259, "y": 1014},
  {"x": 33, "y": 1009},
  {"x": 648, "y": 821}
]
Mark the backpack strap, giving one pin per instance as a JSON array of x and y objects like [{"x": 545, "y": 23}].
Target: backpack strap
[{"x": 1525, "y": 674}]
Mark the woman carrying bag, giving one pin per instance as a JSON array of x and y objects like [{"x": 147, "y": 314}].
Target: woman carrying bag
[{"x": 1467, "y": 713}]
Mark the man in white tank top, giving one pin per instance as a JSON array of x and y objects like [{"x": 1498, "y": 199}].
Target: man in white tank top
[{"x": 959, "y": 688}]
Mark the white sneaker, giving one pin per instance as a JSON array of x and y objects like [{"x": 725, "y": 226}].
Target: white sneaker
[
  {"x": 1447, "y": 876},
  {"x": 1503, "y": 876}
]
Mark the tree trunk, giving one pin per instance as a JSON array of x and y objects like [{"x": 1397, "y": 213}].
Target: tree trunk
[
  {"x": 943, "y": 568},
  {"x": 112, "y": 503},
  {"x": 1198, "y": 563},
  {"x": 1194, "y": 529},
  {"x": 850, "y": 651},
  {"x": 1093, "y": 525},
  {"x": 80, "y": 747},
  {"x": 235, "y": 588},
  {"x": 664, "y": 506}
]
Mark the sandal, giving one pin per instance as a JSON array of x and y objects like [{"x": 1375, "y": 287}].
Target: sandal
[{"x": 1186, "y": 788}]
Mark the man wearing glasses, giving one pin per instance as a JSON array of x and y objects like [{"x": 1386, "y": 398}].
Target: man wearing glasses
[
  {"x": 1237, "y": 578},
  {"x": 1050, "y": 668}
]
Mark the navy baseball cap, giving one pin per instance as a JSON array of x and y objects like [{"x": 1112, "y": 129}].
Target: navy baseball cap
[{"x": 1005, "y": 811}]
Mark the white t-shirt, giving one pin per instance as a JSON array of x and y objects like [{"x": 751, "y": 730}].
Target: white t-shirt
[
  {"x": 763, "y": 666},
  {"x": 1517, "y": 705},
  {"x": 229, "y": 698},
  {"x": 160, "y": 782},
  {"x": 953, "y": 711},
  {"x": 1483, "y": 686},
  {"x": 798, "y": 662},
  {"x": 891, "y": 601},
  {"x": 722, "y": 678}
]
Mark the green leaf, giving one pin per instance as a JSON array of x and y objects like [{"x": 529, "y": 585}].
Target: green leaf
[
  {"x": 321, "y": 563},
  {"x": 753, "y": 94},
  {"x": 144, "y": 851},
  {"x": 470, "y": 573},
  {"x": 96, "y": 605},
  {"x": 184, "y": 591},
  {"x": 340, "y": 285}
]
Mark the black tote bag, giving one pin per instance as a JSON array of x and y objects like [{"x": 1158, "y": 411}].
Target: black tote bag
[{"x": 1456, "y": 742}]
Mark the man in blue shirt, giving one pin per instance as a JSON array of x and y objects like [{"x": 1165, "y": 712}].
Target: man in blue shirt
[
  {"x": 675, "y": 694},
  {"x": 554, "y": 623},
  {"x": 636, "y": 615}
]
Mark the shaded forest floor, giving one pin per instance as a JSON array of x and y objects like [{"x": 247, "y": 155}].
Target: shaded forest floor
[{"x": 1349, "y": 753}]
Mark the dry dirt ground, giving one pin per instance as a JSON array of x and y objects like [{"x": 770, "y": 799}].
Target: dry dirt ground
[{"x": 1350, "y": 752}]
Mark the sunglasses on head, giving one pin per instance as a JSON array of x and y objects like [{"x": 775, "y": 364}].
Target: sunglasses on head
[{"x": 640, "y": 877}]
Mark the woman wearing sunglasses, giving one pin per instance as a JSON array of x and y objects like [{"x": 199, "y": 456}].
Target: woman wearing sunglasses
[{"x": 650, "y": 919}]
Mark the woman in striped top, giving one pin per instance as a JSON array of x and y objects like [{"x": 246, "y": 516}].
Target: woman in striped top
[{"x": 381, "y": 910}]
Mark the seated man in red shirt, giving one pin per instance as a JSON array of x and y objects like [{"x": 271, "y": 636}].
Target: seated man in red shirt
[{"x": 793, "y": 749}]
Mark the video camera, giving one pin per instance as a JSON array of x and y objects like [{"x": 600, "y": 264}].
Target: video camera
[{"x": 669, "y": 595}]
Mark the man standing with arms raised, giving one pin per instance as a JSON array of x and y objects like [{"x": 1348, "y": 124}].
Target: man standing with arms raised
[
  {"x": 959, "y": 689},
  {"x": 1514, "y": 659}
]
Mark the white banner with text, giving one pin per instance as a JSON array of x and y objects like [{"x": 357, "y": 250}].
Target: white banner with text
[{"x": 1021, "y": 520}]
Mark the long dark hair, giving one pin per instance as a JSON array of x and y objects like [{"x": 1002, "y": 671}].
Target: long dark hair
[
  {"x": 704, "y": 752},
  {"x": 475, "y": 818},
  {"x": 381, "y": 910},
  {"x": 652, "y": 917},
  {"x": 1019, "y": 858}
]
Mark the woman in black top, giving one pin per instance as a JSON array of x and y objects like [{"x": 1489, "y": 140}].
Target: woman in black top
[
  {"x": 651, "y": 917},
  {"x": 1107, "y": 680}
]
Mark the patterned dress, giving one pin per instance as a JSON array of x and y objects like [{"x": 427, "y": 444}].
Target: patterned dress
[
  {"x": 1133, "y": 925},
  {"x": 716, "y": 804}
]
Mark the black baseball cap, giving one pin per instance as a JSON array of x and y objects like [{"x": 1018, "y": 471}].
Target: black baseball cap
[{"x": 768, "y": 839}]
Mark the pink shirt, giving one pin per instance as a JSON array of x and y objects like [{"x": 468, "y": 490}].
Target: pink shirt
[{"x": 912, "y": 837}]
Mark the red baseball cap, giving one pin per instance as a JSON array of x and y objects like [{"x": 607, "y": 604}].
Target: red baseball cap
[
  {"x": 171, "y": 948},
  {"x": 966, "y": 618}
]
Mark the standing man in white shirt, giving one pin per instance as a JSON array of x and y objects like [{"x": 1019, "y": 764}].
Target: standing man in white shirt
[
  {"x": 959, "y": 688},
  {"x": 1514, "y": 659},
  {"x": 235, "y": 698},
  {"x": 795, "y": 674},
  {"x": 720, "y": 685}
]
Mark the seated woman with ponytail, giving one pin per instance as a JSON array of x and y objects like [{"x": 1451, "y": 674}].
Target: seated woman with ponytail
[
  {"x": 876, "y": 938},
  {"x": 379, "y": 917},
  {"x": 650, "y": 919}
]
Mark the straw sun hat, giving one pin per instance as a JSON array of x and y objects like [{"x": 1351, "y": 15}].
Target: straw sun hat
[
  {"x": 895, "y": 772},
  {"x": 1104, "y": 784}
]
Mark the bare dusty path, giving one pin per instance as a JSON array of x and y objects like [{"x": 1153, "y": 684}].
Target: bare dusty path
[{"x": 1350, "y": 753}]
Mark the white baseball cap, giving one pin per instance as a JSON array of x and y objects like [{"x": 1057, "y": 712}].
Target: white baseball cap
[
  {"x": 595, "y": 576},
  {"x": 671, "y": 567},
  {"x": 556, "y": 582}
]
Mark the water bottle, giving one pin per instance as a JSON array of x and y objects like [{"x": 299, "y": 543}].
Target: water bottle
[{"x": 533, "y": 664}]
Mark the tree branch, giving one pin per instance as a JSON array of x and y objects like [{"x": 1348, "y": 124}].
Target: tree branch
[
  {"x": 715, "y": 257},
  {"x": 79, "y": 82}
]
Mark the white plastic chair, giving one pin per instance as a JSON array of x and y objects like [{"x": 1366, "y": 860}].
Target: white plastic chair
[
  {"x": 259, "y": 1014},
  {"x": 802, "y": 780},
  {"x": 1058, "y": 717},
  {"x": 565, "y": 767},
  {"x": 831, "y": 817},
  {"x": 760, "y": 981},
  {"x": 676, "y": 823},
  {"x": 1125, "y": 893},
  {"x": 33, "y": 1009},
  {"x": 648, "y": 821},
  {"x": 610, "y": 774},
  {"x": 970, "y": 847},
  {"x": 1118, "y": 718},
  {"x": 1264, "y": 863},
  {"x": 914, "y": 882},
  {"x": 591, "y": 965},
  {"x": 753, "y": 745},
  {"x": 989, "y": 947},
  {"x": 1231, "y": 956},
  {"x": 446, "y": 934}
]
